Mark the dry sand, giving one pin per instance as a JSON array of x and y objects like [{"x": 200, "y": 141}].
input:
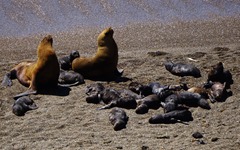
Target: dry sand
[{"x": 65, "y": 121}]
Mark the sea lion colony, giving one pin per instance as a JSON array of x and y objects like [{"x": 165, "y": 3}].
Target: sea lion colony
[{"x": 73, "y": 69}]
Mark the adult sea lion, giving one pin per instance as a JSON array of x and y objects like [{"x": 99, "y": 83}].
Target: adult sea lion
[
  {"x": 181, "y": 69},
  {"x": 22, "y": 105},
  {"x": 118, "y": 118},
  {"x": 36, "y": 75},
  {"x": 103, "y": 65}
]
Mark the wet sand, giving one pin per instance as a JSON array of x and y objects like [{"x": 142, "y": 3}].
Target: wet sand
[{"x": 69, "y": 122}]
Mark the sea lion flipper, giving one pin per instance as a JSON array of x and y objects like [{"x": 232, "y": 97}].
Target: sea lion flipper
[
  {"x": 7, "y": 80},
  {"x": 118, "y": 72},
  {"x": 28, "y": 92},
  {"x": 108, "y": 106},
  {"x": 69, "y": 85}
]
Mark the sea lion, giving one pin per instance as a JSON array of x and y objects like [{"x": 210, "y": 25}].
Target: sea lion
[
  {"x": 140, "y": 89},
  {"x": 184, "y": 98},
  {"x": 193, "y": 100},
  {"x": 181, "y": 69},
  {"x": 170, "y": 103},
  {"x": 127, "y": 102},
  {"x": 37, "y": 75},
  {"x": 172, "y": 117},
  {"x": 103, "y": 65},
  {"x": 94, "y": 93},
  {"x": 22, "y": 105},
  {"x": 146, "y": 103},
  {"x": 204, "y": 92},
  {"x": 70, "y": 78},
  {"x": 118, "y": 118},
  {"x": 218, "y": 92},
  {"x": 66, "y": 61},
  {"x": 219, "y": 74}
]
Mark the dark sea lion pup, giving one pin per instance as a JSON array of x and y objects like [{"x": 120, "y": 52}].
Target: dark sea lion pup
[
  {"x": 218, "y": 74},
  {"x": 172, "y": 117},
  {"x": 118, "y": 118},
  {"x": 22, "y": 105},
  {"x": 70, "y": 78},
  {"x": 66, "y": 61},
  {"x": 93, "y": 92},
  {"x": 181, "y": 69},
  {"x": 146, "y": 103},
  {"x": 103, "y": 65},
  {"x": 37, "y": 75}
]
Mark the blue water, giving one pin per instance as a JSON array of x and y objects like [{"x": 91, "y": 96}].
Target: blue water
[{"x": 27, "y": 17}]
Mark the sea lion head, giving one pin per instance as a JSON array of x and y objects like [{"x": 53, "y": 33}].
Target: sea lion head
[
  {"x": 74, "y": 54},
  {"x": 119, "y": 125},
  {"x": 105, "y": 36},
  {"x": 47, "y": 40},
  {"x": 168, "y": 65}
]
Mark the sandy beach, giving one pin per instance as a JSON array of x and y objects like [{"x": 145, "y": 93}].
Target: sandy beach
[{"x": 66, "y": 121}]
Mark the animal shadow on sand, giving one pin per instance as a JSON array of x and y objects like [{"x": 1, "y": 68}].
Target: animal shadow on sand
[{"x": 58, "y": 91}]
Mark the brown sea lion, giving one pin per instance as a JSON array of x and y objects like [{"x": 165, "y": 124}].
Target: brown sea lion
[
  {"x": 200, "y": 90},
  {"x": 66, "y": 61},
  {"x": 118, "y": 118},
  {"x": 22, "y": 105},
  {"x": 36, "y": 75},
  {"x": 103, "y": 65},
  {"x": 181, "y": 69}
]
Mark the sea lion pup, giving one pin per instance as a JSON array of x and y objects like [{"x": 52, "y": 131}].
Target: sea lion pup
[
  {"x": 140, "y": 89},
  {"x": 172, "y": 117},
  {"x": 37, "y": 75},
  {"x": 66, "y": 61},
  {"x": 22, "y": 105},
  {"x": 218, "y": 92},
  {"x": 102, "y": 66},
  {"x": 146, "y": 103},
  {"x": 218, "y": 74},
  {"x": 193, "y": 100},
  {"x": 181, "y": 69},
  {"x": 184, "y": 98},
  {"x": 118, "y": 118},
  {"x": 127, "y": 102},
  {"x": 70, "y": 78},
  {"x": 94, "y": 93}
]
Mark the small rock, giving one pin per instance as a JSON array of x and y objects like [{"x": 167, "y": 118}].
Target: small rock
[
  {"x": 201, "y": 142},
  {"x": 119, "y": 147},
  {"x": 197, "y": 135},
  {"x": 145, "y": 147},
  {"x": 214, "y": 139}
]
